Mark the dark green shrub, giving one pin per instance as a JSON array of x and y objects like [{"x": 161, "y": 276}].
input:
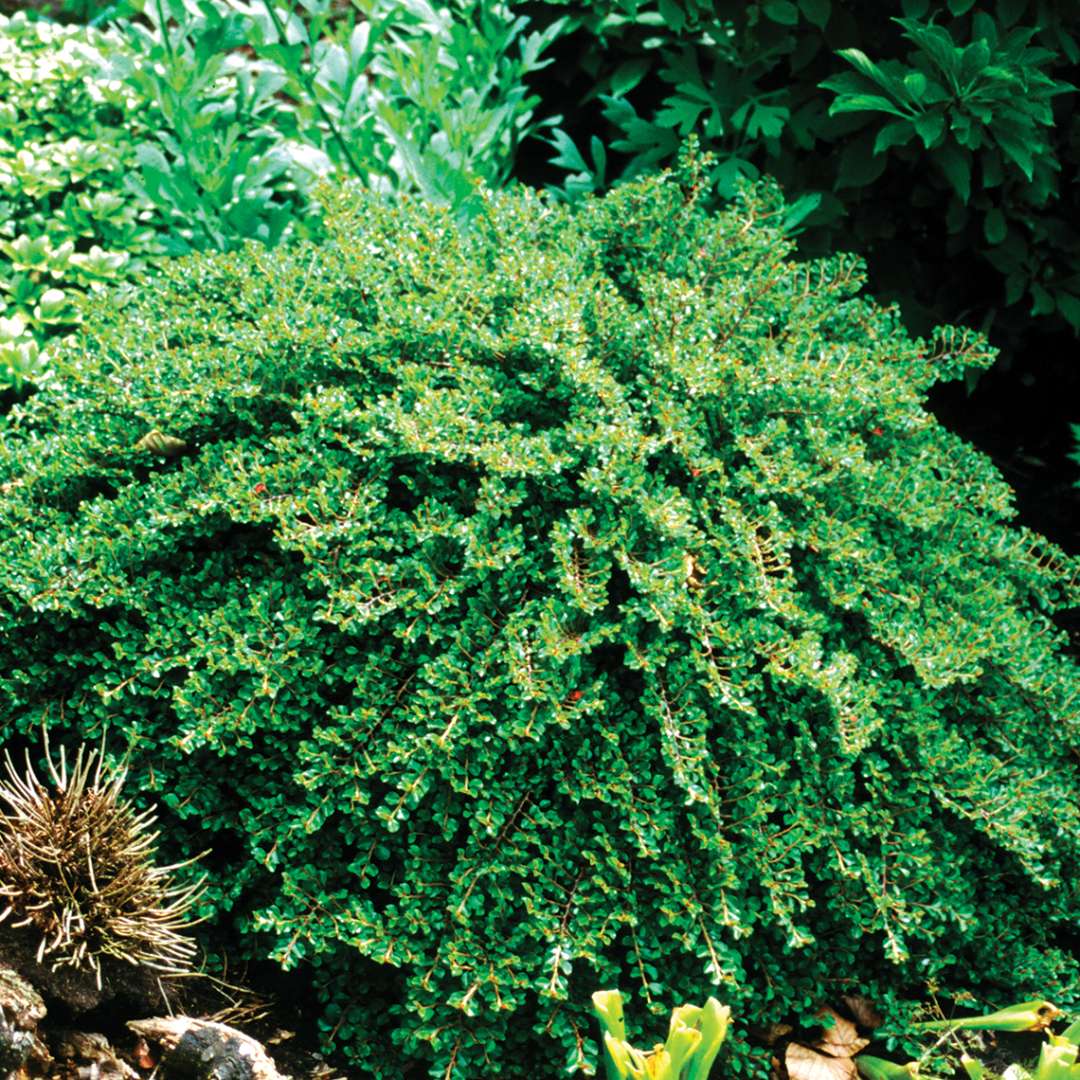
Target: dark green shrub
[
  {"x": 583, "y": 599},
  {"x": 934, "y": 136}
]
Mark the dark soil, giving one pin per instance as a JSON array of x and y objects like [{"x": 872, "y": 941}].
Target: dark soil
[{"x": 263, "y": 1003}]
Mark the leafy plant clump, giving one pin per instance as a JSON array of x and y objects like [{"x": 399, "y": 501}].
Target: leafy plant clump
[
  {"x": 68, "y": 222},
  {"x": 585, "y": 597},
  {"x": 260, "y": 98}
]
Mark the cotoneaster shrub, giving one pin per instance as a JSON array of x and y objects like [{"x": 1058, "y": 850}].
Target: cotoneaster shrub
[{"x": 585, "y": 599}]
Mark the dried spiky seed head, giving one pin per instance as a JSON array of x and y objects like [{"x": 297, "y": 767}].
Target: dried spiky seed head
[{"x": 77, "y": 866}]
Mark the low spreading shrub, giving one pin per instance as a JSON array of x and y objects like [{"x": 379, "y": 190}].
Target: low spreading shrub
[{"x": 583, "y": 597}]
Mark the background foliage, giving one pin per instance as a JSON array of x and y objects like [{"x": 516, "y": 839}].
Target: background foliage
[
  {"x": 199, "y": 124},
  {"x": 400, "y": 95},
  {"x": 953, "y": 106},
  {"x": 582, "y": 598},
  {"x": 940, "y": 144},
  {"x": 68, "y": 223}
]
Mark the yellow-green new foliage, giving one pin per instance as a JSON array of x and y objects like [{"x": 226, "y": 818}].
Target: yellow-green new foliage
[
  {"x": 695, "y": 1035},
  {"x": 586, "y": 597},
  {"x": 1027, "y": 1016},
  {"x": 1057, "y": 1056}
]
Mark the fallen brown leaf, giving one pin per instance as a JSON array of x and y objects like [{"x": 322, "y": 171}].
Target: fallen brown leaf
[
  {"x": 142, "y": 1054},
  {"x": 863, "y": 1011},
  {"x": 775, "y": 1032},
  {"x": 803, "y": 1063},
  {"x": 842, "y": 1038}
]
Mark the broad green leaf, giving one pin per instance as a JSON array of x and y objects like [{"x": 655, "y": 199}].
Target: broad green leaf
[
  {"x": 673, "y": 15},
  {"x": 955, "y": 163},
  {"x": 859, "y": 166},
  {"x": 865, "y": 66},
  {"x": 781, "y": 11},
  {"x": 1008, "y": 12},
  {"x": 994, "y": 227},
  {"x": 930, "y": 126},
  {"x": 975, "y": 58},
  {"x": 1016, "y": 150},
  {"x": 894, "y": 133},
  {"x": 984, "y": 25},
  {"x": 816, "y": 12},
  {"x": 864, "y": 103},
  {"x": 915, "y": 85},
  {"x": 1016, "y": 284},
  {"x": 937, "y": 45},
  {"x": 628, "y": 74},
  {"x": 1069, "y": 306}
]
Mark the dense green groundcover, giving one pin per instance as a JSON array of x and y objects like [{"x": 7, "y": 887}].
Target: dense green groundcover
[{"x": 585, "y": 599}]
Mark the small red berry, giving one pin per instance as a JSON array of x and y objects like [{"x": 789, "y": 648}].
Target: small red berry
[
  {"x": 877, "y": 431},
  {"x": 575, "y": 695},
  {"x": 259, "y": 489},
  {"x": 695, "y": 472}
]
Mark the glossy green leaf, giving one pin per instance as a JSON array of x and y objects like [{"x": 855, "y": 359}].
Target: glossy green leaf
[
  {"x": 864, "y": 103},
  {"x": 784, "y": 12},
  {"x": 915, "y": 85},
  {"x": 859, "y": 165},
  {"x": 994, "y": 227},
  {"x": 816, "y": 12},
  {"x": 930, "y": 127},
  {"x": 956, "y": 166},
  {"x": 895, "y": 133}
]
